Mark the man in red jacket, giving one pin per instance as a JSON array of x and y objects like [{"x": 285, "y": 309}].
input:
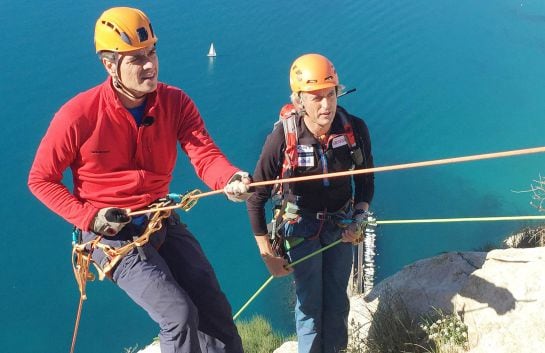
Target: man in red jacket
[{"x": 119, "y": 140}]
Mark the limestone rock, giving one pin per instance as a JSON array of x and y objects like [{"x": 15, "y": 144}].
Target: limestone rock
[
  {"x": 503, "y": 302},
  {"x": 500, "y": 295}
]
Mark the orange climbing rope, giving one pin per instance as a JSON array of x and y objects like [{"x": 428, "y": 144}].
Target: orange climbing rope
[{"x": 452, "y": 160}]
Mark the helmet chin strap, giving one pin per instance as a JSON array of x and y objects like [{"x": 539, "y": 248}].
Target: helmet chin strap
[
  {"x": 119, "y": 84},
  {"x": 301, "y": 109}
]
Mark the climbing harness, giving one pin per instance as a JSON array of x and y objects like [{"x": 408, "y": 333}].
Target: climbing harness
[
  {"x": 82, "y": 252},
  {"x": 288, "y": 117},
  {"x": 285, "y": 209}
]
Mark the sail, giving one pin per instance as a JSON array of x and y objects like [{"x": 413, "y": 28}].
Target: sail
[{"x": 211, "y": 51}]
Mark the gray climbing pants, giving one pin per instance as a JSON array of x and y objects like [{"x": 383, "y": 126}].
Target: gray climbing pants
[{"x": 174, "y": 282}]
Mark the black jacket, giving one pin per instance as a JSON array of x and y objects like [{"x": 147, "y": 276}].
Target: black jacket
[{"x": 314, "y": 195}]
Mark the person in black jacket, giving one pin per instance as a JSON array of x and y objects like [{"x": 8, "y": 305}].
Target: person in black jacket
[{"x": 322, "y": 137}]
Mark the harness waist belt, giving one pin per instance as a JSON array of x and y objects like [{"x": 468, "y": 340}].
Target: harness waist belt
[
  {"x": 326, "y": 216},
  {"x": 342, "y": 213}
]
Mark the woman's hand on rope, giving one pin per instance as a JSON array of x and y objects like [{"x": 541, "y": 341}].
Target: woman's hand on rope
[
  {"x": 276, "y": 265},
  {"x": 109, "y": 221},
  {"x": 238, "y": 187},
  {"x": 354, "y": 233}
]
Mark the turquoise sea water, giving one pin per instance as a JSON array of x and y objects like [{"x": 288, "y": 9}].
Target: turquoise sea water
[{"x": 434, "y": 79}]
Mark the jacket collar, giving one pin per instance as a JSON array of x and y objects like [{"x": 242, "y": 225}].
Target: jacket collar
[{"x": 110, "y": 95}]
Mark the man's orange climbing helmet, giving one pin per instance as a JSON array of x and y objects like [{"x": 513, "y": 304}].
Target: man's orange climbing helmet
[
  {"x": 123, "y": 29},
  {"x": 312, "y": 72}
]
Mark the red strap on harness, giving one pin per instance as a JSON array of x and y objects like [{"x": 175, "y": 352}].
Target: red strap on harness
[
  {"x": 348, "y": 132},
  {"x": 288, "y": 115}
]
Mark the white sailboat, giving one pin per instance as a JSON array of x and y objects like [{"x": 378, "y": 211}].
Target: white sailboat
[{"x": 211, "y": 51}]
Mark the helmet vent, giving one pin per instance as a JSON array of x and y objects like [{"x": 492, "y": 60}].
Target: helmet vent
[
  {"x": 142, "y": 34},
  {"x": 123, "y": 35},
  {"x": 109, "y": 24},
  {"x": 125, "y": 38}
]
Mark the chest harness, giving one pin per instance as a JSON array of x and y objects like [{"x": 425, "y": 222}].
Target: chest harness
[{"x": 285, "y": 208}]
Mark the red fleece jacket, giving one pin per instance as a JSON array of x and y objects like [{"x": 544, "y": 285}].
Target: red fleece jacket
[{"x": 114, "y": 162}]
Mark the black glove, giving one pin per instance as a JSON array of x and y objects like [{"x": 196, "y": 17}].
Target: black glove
[{"x": 109, "y": 221}]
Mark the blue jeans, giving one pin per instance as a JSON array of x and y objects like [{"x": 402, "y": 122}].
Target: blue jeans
[
  {"x": 178, "y": 288},
  {"x": 321, "y": 310}
]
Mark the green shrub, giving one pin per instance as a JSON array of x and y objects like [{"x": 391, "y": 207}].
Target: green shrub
[
  {"x": 258, "y": 336},
  {"x": 527, "y": 237}
]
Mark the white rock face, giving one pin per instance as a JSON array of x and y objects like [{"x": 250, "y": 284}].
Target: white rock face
[
  {"x": 500, "y": 295},
  {"x": 504, "y": 302}
]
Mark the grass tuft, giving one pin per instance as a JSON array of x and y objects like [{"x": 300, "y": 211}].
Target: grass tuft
[{"x": 258, "y": 335}]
